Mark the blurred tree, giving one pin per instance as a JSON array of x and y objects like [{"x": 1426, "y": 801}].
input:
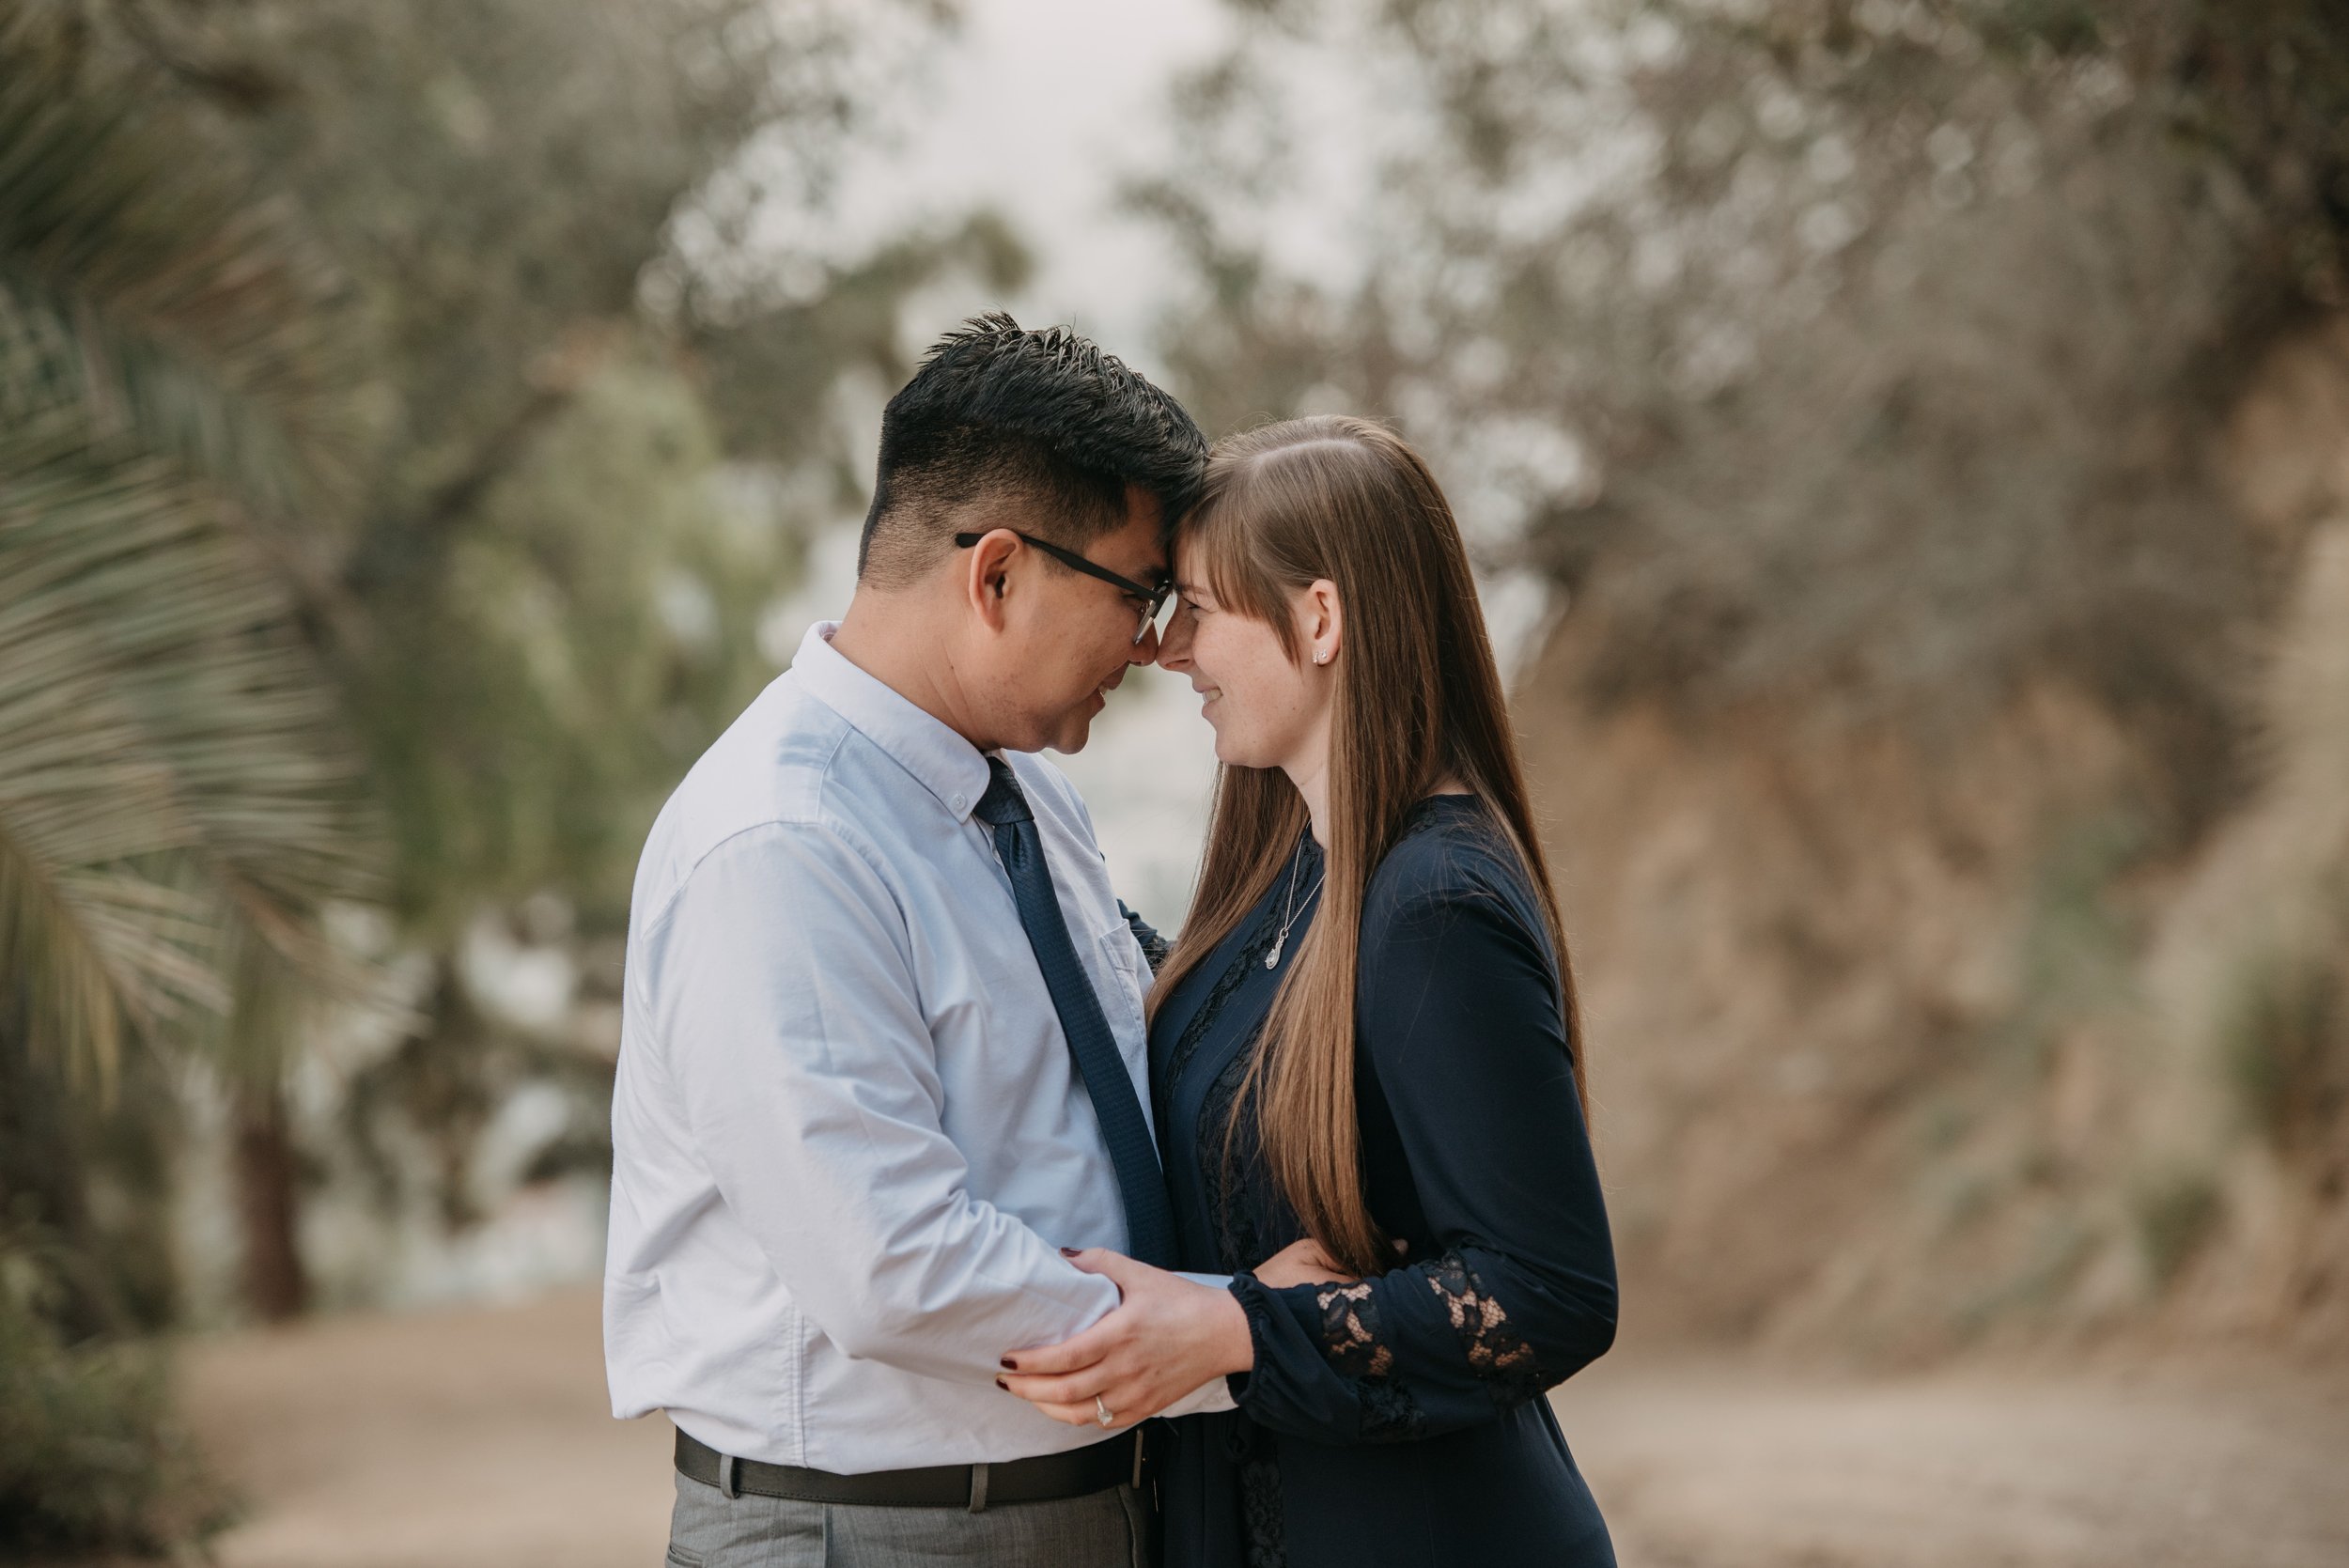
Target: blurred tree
[
  {"x": 1842, "y": 350},
  {"x": 522, "y": 439},
  {"x": 506, "y": 184},
  {"x": 599, "y": 415},
  {"x": 179, "y": 799},
  {"x": 1863, "y": 372}
]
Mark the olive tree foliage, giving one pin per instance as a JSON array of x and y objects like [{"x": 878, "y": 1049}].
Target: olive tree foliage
[
  {"x": 399, "y": 438},
  {"x": 1855, "y": 352},
  {"x": 513, "y": 427},
  {"x": 537, "y": 210},
  {"x": 609, "y": 352},
  {"x": 535, "y": 649}
]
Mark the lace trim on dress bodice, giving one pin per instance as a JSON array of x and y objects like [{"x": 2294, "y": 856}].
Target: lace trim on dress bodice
[
  {"x": 1235, "y": 975},
  {"x": 1234, "y": 1196},
  {"x": 1256, "y": 1454},
  {"x": 1200, "y": 1024},
  {"x": 1231, "y": 1202}
]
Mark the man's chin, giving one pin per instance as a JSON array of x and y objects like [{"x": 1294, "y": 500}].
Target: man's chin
[{"x": 1075, "y": 727}]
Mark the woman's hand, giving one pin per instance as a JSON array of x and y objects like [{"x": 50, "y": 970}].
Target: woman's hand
[
  {"x": 1302, "y": 1263},
  {"x": 1168, "y": 1336}
]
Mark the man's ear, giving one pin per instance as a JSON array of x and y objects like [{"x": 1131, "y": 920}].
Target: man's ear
[{"x": 986, "y": 576}]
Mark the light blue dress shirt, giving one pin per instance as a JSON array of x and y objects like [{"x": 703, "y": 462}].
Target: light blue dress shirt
[{"x": 848, "y": 1134}]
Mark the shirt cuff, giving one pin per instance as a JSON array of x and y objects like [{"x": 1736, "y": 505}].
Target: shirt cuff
[{"x": 1215, "y": 1394}]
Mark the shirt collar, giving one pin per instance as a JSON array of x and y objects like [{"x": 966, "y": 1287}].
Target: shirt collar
[{"x": 945, "y": 763}]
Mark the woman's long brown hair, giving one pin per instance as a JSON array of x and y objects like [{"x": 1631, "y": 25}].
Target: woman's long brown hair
[{"x": 1418, "y": 701}]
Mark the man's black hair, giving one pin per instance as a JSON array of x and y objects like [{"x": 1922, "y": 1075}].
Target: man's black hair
[{"x": 1044, "y": 417}]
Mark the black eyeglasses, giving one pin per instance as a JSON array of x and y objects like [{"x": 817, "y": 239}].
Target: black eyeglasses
[{"x": 1153, "y": 599}]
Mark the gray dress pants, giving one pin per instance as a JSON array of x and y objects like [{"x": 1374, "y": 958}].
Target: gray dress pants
[{"x": 710, "y": 1529}]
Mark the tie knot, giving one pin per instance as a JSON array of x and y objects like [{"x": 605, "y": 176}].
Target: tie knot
[{"x": 1003, "y": 802}]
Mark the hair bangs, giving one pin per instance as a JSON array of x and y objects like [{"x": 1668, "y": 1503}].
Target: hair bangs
[{"x": 1247, "y": 498}]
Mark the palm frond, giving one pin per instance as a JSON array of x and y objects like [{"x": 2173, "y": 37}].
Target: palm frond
[
  {"x": 181, "y": 314},
  {"x": 175, "y": 788},
  {"x": 178, "y": 798}
]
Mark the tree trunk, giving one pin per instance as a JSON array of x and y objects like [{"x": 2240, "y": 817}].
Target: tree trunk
[{"x": 275, "y": 1285}]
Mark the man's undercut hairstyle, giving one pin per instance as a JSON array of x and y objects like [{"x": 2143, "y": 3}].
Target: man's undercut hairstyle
[{"x": 1044, "y": 420}]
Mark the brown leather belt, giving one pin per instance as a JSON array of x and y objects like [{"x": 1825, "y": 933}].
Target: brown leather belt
[{"x": 1045, "y": 1478}]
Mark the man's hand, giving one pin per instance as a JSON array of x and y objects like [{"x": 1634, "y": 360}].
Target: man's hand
[{"x": 1167, "y": 1337}]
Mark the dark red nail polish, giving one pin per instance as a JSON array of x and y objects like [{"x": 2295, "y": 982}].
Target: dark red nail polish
[
  {"x": 1070, "y": 1252},
  {"x": 1001, "y": 1384},
  {"x": 1010, "y": 1365}
]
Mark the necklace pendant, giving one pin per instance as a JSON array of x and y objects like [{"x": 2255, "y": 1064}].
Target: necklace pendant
[{"x": 1272, "y": 959}]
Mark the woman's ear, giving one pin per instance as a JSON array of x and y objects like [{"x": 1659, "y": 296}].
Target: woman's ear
[{"x": 1322, "y": 620}]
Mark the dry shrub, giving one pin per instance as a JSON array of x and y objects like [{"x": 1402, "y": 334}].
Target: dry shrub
[{"x": 91, "y": 1459}]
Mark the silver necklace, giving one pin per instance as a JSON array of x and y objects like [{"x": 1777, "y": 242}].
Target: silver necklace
[{"x": 1288, "y": 910}]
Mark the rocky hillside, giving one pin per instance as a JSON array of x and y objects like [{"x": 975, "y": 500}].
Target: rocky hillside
[{"x": 1903, "y": 1045}]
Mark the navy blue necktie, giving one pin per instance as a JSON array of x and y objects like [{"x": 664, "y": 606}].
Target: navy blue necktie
[{"x": 1149, "y": 1218}]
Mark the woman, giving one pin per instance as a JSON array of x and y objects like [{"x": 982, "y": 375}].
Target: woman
[{"x": 1364, "y": 1062}]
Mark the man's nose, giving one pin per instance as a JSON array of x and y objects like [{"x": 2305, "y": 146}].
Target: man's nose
[
  {"x": 1173, "y": 646},
  {"x": 1145, "y": 651}
]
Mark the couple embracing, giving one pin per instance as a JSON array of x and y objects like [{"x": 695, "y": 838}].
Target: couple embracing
[{"x": 956, "y": 1218}]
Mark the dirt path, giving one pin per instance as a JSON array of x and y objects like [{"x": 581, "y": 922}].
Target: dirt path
[
  {"x": 480, "y": 1437},
  {"x": 437, "y": 1440},
  {"x": 1731, "y": 1469}
]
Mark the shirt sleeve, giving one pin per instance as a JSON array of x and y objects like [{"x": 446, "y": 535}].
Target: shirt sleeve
[
  {"x": 785, "y": 1002},
  {"x": 1206, "y": 1400},
  {"x": 1459, "y": 1018},
  {"x": 1154, "y": 945}
]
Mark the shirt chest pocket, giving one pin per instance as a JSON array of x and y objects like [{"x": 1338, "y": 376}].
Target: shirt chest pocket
[{"x": 1128, "y": 981}]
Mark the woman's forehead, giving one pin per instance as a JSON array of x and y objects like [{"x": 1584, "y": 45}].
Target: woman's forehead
[{"x": 1192, "y": 569}]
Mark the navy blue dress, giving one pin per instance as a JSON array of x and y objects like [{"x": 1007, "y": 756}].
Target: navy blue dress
[{"x": 1401, "y": 1420}]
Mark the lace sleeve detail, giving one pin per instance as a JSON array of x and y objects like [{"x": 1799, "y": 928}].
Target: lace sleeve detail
[
  {"x": 1351, "y": 1342},
  {"x": 1424, "y": 1349},
  {"x": 1349, "y": 1332},
  {"x": 1353, "y": 1346},
  {"x": 1496, "y": 1351}
]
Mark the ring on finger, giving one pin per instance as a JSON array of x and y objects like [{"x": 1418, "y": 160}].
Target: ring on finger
[{"x": 1102, "y": 1413}]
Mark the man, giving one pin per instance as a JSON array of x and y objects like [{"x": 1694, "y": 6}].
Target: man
[{"x": 882, "y": 1055}]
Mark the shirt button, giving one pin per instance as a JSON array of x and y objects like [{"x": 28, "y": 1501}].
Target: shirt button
[{"x": 961, "y": 801}]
